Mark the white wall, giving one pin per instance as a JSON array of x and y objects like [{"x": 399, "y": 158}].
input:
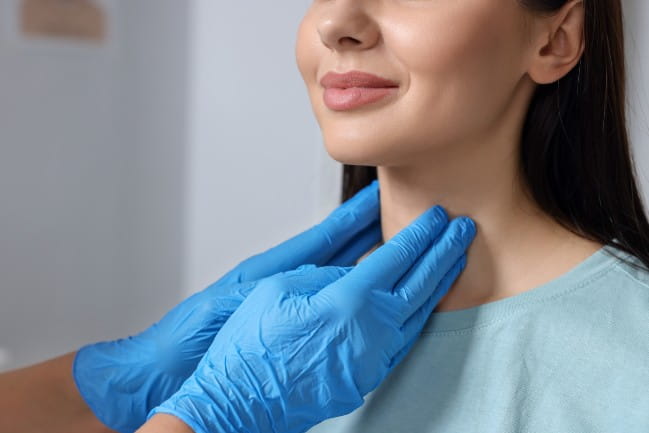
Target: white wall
[
  {"x": 91, "y": 179},
  {"x": 256, "y": 160},
  {"x": 60, "y": 261},
  {"x": 154, "y": 97}
]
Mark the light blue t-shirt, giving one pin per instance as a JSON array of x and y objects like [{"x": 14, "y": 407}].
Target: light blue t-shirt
[{"x": 569, "y": 356}]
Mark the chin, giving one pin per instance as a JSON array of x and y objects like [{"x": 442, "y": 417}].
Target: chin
[{"x": 353, "y": 153}]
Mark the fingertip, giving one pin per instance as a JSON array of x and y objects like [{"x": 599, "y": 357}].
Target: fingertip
[
  {"x": 437, "y": 215},
  {"x": 470, "y": 225},
  {"x": 441, "y": 212},
  {"x": 373, "y": 188},
  {"x": 365, "y": 197}
]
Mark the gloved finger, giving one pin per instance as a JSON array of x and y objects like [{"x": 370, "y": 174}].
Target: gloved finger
[
  {"x": 387, "y": 264},
  {"x": 359, "y": 245},
  {"x": 413, "y": 326},
  {"x": 309, "y": 275},
  {"x": 425, "y": 276},
  {"x": 317, "y": 245}
]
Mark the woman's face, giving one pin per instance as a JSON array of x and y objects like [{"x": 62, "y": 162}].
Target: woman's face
[{"x": 458, "y": 63}]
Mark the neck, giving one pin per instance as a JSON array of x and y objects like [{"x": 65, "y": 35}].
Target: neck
[{"x": 517, "y": 246}]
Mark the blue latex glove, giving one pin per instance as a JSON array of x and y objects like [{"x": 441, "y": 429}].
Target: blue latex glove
[
  {"x": 309, "y": 344},
  {"x": 123, "y": 380}
]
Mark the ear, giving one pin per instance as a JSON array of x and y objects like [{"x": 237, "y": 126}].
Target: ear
[{"x": 559, "y": 43}]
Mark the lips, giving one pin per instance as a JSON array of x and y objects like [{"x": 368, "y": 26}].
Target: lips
[
  {"x": 355, "y": 79},
  {"x": 354, "y": 97}
]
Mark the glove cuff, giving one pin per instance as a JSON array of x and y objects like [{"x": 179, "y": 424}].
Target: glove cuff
[
  {"x": 79, "y": 374},
  {"x": 117, "y": 391}
]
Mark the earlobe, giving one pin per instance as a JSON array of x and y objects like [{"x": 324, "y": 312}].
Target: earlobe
[{"x": 562, "y": 44}]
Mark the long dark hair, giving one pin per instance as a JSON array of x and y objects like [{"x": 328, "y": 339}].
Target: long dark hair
[{"x": 575, "y": 155}]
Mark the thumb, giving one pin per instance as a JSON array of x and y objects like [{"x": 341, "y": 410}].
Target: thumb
[
  {"x": 325, "y": 273},
  {"x": 308, "y": 278}
]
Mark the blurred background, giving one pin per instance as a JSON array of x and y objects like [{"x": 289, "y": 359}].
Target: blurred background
[{"x": 148, "y": 146}]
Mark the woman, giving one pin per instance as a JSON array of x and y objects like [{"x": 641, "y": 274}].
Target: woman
[{"x": 510, "y": 112}]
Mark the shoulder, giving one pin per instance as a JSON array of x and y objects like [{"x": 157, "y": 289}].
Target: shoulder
[
  {"x": 615, "y": 311},
  {"x": 605, "y": 313},
  {"x": 626, "y": 287},
  {"x": 602, "y": 335},
  {"x": 631, "y": 270}
]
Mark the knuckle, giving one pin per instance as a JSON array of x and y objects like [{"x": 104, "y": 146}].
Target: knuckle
[
  {"x": 323, "y": 233},
  {"x": 326, "y": 307},
  {"x": 208, "y": 308},
  {"x": 349, "y": 309},
  {"x": 419, "y": 233},
  {"x": 406, "y": 293},
  {"x": 342, "y": 309}
]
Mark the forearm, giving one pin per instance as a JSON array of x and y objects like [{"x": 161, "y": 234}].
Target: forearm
[
  {"x": 44, "y": 398},
  {"x": 163, "y": 423}
]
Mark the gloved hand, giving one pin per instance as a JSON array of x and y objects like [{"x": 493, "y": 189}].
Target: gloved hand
[
  {"x": 309, "y": 344},
  {"x": 123, "y": 380}
]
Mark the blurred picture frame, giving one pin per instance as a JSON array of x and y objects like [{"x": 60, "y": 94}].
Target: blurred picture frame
[{"x": 60, "y": 26}]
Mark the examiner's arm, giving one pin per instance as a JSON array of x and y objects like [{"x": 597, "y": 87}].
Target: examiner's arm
[
  {"x": 44, "y": 398},
  {"x": 122, "y": 380},
  {"x": 163, "y": 423}
]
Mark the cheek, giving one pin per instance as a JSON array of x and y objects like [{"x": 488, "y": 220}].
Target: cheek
[
  {"x": 460, "y": 74},
  {"x": 308, "y": 50},
  {"x": 300, "y": 50}
]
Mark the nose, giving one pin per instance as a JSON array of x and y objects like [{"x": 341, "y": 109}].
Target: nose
[{"x": 347, "y": 25}]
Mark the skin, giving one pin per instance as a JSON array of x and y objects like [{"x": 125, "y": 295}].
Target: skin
[
  {"x": 44, "y": 398},
  {"x": 466, "y": 71}
]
